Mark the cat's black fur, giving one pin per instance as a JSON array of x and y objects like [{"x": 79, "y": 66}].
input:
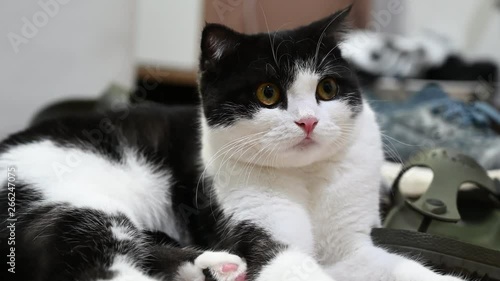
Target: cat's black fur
[{"x": 59, "y": 242}]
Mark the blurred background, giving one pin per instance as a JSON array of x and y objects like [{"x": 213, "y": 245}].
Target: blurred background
[{"x": 407, "y": 54}]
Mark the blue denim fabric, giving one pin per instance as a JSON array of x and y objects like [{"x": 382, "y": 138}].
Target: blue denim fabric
[{"x": 431, "y": 119}]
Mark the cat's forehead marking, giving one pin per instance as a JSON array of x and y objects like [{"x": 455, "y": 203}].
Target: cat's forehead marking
[{"x": 305, "y": 80}]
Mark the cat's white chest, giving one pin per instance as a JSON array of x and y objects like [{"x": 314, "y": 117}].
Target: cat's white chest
[
  {"x": 342, "y": 206},
  {"x": 327, "y": 219}
]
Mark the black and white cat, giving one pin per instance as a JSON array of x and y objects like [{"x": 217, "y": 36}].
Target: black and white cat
[{"x": 276, "y": 177}]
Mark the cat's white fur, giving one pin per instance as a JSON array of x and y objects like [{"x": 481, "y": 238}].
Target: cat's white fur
[
  {"x": 125, "y": 269},
  {"x": 83, "y": 179},
  {"x": 320, "y": 199}
]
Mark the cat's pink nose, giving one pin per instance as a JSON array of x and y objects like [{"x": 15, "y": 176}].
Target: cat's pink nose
[{"x": 307, "y": 124}]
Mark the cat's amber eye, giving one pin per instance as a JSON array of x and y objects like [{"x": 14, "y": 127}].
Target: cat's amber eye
[
  {"x": 327, "y": 89},
  {"x": 268, "y": 94}
]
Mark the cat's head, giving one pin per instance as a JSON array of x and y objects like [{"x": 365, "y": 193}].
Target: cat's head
[{"x": 284, "y": 98}]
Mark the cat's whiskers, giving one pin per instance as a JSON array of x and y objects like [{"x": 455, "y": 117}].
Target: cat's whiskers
[
  {"x": 269, "y": 35},
  {"x": 334, "y": 67},
  {"x": 223, "y": 164},
  {"x": 398, "y": 141},
  {"x": 233, "y": 148},
  {"x": 273, "y": 162},
  {"x": 392, "y": 152},
  {"x": 250, "y": 147},
  {"x": 326, "y": 56},
  {"x": 285, "y": 53},
  {"x": 270, "y": 65},
  {"x": 250, "y": 144},
  {"x": 251, "y": 164},
  {"x": 238, "y": 148},
  {"x": 344, "y": 136},
  {"x": 323, "y": 34},
  {"x": 388, "y": 148},
  {"x": 224, "y": 149},
  {"x": 391, "y": 149},
  {"x": 234, "y": 144},
  {"x": 226, "y": 110}
]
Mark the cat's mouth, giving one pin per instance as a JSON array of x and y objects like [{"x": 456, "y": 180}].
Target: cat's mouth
[{"x": 305, "y": 143}]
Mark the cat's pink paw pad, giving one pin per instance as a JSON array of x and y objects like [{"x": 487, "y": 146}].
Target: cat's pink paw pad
[
  {"x": 229, "y": 267},
  {"x": 223, "y": 266}
]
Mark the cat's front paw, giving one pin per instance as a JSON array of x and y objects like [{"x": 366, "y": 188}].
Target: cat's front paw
[{"x": 222, "y": 266}]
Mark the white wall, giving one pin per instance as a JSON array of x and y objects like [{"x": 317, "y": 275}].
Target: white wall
[
  {"x": 168, "y": 33},
  {"x": 76, "y": 49}
]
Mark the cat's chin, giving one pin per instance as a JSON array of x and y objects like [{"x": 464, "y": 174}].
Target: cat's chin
[{"x": 305, "y": 153}]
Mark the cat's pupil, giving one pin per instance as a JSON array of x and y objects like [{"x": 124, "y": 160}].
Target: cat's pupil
[
  {"x": 269, "y": 92},
  {"x": 327, "y": 87}
]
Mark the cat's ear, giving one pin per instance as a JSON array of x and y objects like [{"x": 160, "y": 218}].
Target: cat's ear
[
  {"x": 333, "y": 26},
  {"x": 217, "y": 41}
]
